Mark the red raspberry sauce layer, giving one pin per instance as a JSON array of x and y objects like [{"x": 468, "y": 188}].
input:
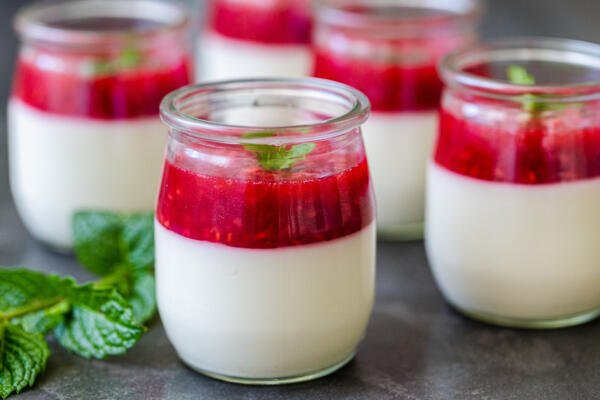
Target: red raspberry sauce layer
[
  {"x": 534, "y": 154},
  {"x": 389, "y": 87},
  {"x": 128, "y": 94},
  {"x": 279, "y": 24},
  {"x": 267, "y": 211}
]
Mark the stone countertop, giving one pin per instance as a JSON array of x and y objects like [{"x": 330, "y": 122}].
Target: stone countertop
[{"x": 416, "y": 346}]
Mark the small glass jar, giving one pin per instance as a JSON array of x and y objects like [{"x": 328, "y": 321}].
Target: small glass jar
[
  {"x": 255, "y": 38},
  {"x": 513, "y": 210},
  {"x": 389, "y": 50},
  {"x": 265, "y": 232},
  {"x": 84, "y": 129}
]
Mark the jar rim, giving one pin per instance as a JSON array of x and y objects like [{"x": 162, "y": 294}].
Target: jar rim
[
  {"x": 453, "y": 67},
  {"x": 37, "y": 22},
  {"x": 462, "y": 14},
  {"x": 173, "y": 115}
]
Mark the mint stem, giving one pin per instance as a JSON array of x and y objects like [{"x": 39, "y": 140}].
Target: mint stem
[
  {"x": 30, "y": 308},
  {"x": 121, "y": 272}
]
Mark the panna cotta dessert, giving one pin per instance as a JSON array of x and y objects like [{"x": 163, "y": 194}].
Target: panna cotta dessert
[
  {"x": 84, "y": 130},
  {"x": 389, "y": 50},
  {"x": 255, "y": 38},
  {"x": 265, "y": 234},
  {"x": 512, "y": 205}
]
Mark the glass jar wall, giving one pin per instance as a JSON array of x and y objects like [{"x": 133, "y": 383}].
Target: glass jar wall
[
  {"x": 512, "y": 202},
  {"x": 389, "y": 50},
  {"x": 265, "y": 228},
  {"x": 84, "y": 130}
]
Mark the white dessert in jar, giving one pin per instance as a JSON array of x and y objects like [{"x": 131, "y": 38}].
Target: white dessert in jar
[
  {"x": 255, "y": 38},
  {"x": 399, "y": 146},
  {"x": 220, "y": 58},
  {"x": 59, "y": 165},
  {"x": 84, "y": 131},
  {"x": 518, "y": 251},
  {"x": 257, "y": 313}
]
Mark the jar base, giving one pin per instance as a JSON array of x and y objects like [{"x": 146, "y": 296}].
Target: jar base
[
  {"x": 275, "y": 381},
  {"x": 404, "y": 232},
  {"x": 523, "y": 323}
]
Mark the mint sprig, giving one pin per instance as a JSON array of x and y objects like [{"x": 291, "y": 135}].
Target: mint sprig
[
  {"x": 277, "y": 158},
  {"x": 33, "y": 304},
  {"x": 120, "y": 249},
  {"x": 94, "y": 320},
  {"x": 130, "y": 57},
  {"x": 532, "y": 103}
]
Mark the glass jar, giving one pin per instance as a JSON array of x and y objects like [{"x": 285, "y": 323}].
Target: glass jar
[
  {"x": 265, "y": 232},
  {"x": 255, "y": 38},
  {"x": 513, "y": 210},
  {"x": 84, "y": 129},
  {"x": 389, "y": 50}
]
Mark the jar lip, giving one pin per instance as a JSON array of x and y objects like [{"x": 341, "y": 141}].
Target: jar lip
[
  {"x": 462, "y": 14},
  {"x": 575, "y": 52},
  {"x": 358, "y": 108},
  {"x": 37, "y": 22}
]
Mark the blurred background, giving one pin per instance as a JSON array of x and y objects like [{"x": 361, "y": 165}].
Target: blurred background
[{"x": 575, "y": 19}]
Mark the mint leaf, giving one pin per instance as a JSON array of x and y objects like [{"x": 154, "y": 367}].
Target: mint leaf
[
  {"x": 105, "y": 240},
  {"x": 143, "y": 296},
  {"x": 45, "y": 320},
  {"x": 138, "y": 240},
  {"x": 23, "y": 291},
  {"x": 22, "y": 357},
  {"x": 101, "y": 323},
  {"x": 299, "y": 152},
  {"x": 130, "y": 57},
  {"x": 532, "y": 103},
  {"x": 97, "y": 240},
  {"x": 137, "y": 286},
  {"x": 519, "y": 75},
  {"x": 259, "y": 134},
  {"x": 277, "y": 158}
]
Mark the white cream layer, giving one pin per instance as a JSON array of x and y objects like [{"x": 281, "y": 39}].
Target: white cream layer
[
  {"x": 59, "y": 165},
  {"x": 270, "y": 313},
  {"x": 222, "y": 58},
  {"x": 516, "y": 251},
  {"x": 399, "y": 146}
]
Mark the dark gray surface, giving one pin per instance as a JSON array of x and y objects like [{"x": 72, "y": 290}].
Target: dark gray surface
[{"x": 416, "y": 347}]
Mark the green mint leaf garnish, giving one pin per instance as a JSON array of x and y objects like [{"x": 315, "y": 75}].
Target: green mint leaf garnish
[
  {"x": 277, "y": 158},
  {"x": 532, "y": 103},
  {"x": 45, "y": 320},
  {"x": 23, "y": 292},
  {"x": 23, "y": 357},
  {"x": 105, "y": 240},
  {"x": 137, "y": 240},
  {"x": 95, "y": 320},
  {"x": 97, "y": 241},
  {"x": 143, "y": 296},
  {"x": 519, "y": 75},
  {"x": 121, "y": 249},
  {"x": 101, "y": 323},
  {"x": 130, "y": 57}
]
